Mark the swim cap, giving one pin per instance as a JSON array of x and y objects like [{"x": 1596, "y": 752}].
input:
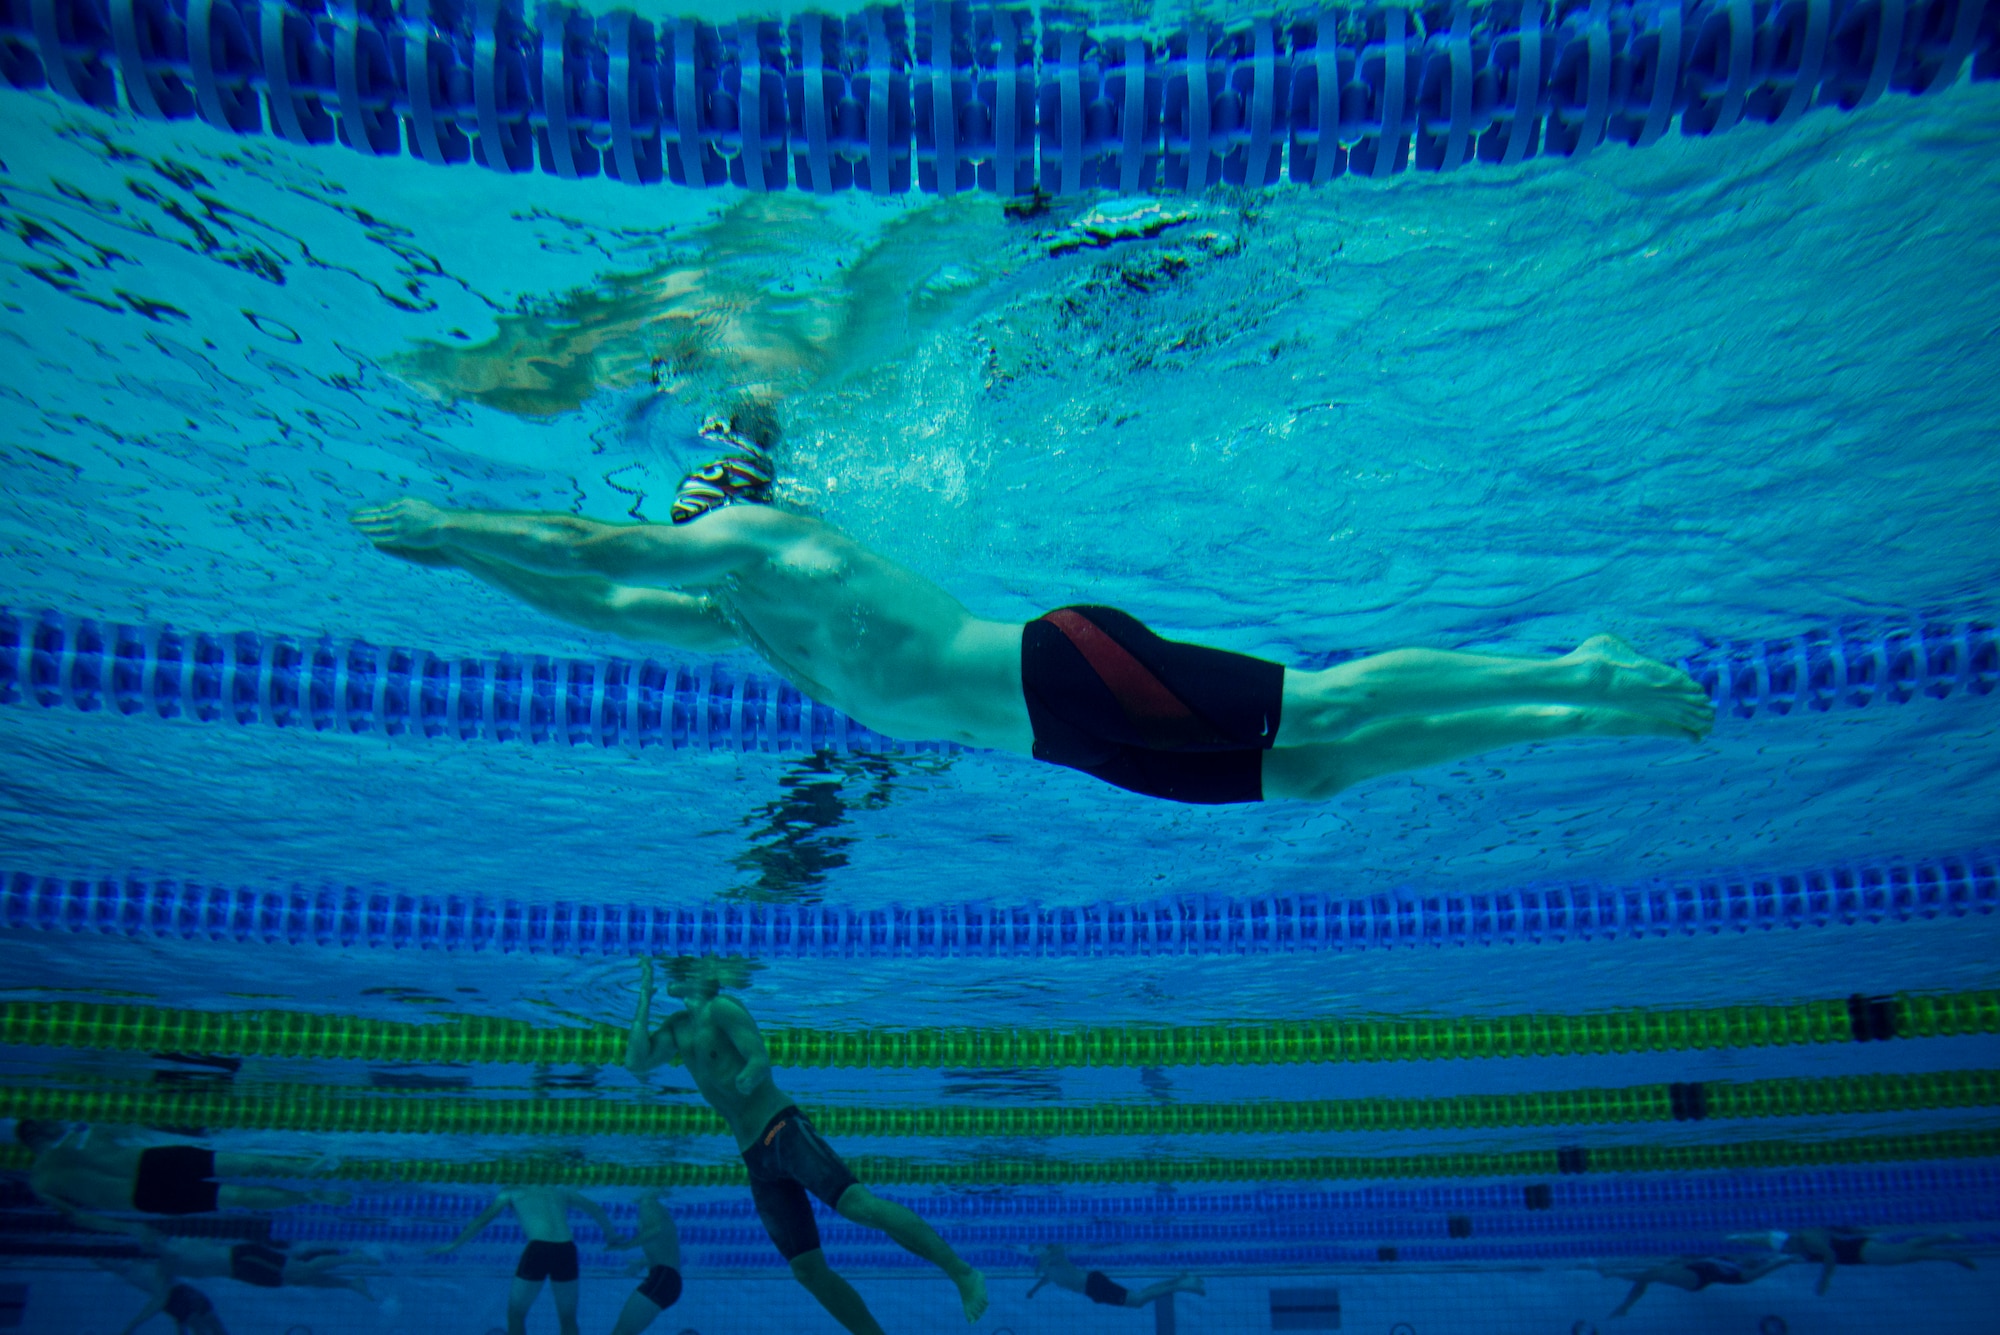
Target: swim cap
[{"x": 743, "y": 476}]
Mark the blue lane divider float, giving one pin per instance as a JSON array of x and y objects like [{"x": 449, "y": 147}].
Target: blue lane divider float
[
  {"x": 1205, "y": 925},
  {"x": 354, "y": 687},
  {"x": 1513, "y": 1220},
  {"x": 989, "y": 97},
  {"x": 1823, "y": 1189}
]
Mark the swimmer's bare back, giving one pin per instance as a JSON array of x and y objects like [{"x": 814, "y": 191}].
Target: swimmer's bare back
[{"x": 1089, "y": 688}]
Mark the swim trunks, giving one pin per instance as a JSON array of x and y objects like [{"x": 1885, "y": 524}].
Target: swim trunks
[
  {"x": 1100, "y": 1289},
  {"x": 661, "y": 1287},
  {"x": 547, "y": 1260},
  {"x": 788, "y": 1159},
  {"x": 1711, "y": 1270},
  {"x": 257, "y": 1263},
  {"x": 176, "y": 1179},
  {"x": 1181, "y": 721},
  {"x": 184, "y": 1304},
  {"x": 1847, "y": 1246}
]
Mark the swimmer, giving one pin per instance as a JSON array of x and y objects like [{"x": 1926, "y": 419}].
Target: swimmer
[
  {"x": 81, "y": 1168},
  {"x": 725, "y": 1054},
  {"x": 1693, "y": 1273},
  {"x": 267, "y": 1265},
  {"x": 1086, "y": 687},
  {"x": 1053, "y": 1266},
  {"x": 660, "y": 1243},
  {"x": 551, "y": 1251},
  {"x": 1835, "y": 1247}
]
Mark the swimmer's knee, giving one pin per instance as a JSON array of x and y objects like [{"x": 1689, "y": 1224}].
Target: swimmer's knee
[{"x": 810, "y": 1268}]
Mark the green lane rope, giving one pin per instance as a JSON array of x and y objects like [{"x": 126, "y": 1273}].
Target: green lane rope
[
  {"x": 1741, "y": 1156},
  {"x": 314, "y": 1108},
  {"x": 290, "y": 1034}
]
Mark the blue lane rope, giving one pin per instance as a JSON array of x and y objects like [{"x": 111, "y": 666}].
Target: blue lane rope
[
  {"x": 1823, "y": 1190},
  {"x": 851, "y": 104},
  {"x": 1516, "y": 1221},
  {"x": 350, "y": 917},
  {"x": 354, "y": 687}
]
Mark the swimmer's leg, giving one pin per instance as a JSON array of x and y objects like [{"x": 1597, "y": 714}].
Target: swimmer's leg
[
  {"x": 519, "y": 1299},
  {"x": 835, "y": 1294},
  {"x": 915, "y": 1236},
  {"x": 234, "y": 1197},
  {"x": 565, "y": 1295},
  {"x": 1321, "y": 707},
  {"x": 1638, "y": 1292},
  {"x": 1398, "y": 744},
  {"x": 1152, "y": 1293},
  {"x": 683, "y": 620},
  {"x": 638, "y": 1313}
]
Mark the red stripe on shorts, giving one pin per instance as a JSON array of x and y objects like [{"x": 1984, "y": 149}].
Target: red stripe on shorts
[{"x": 1143, "y": 696}]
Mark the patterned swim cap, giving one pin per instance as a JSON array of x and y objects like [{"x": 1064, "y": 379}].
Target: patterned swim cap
[{"x": 743, "y": 476}]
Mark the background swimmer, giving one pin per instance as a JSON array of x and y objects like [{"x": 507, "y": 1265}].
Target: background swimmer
[
  {"x": 1053, "y": 1266},
  {"x": 551, "y": 1251},
  {"x": 718, "y": 1042}
]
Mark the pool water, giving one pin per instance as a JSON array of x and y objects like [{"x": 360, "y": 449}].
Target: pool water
[{"x": 1715, "y": 392}]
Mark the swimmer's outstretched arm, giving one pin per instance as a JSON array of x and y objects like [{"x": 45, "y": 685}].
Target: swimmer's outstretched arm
[
  {"x": 644, "y": 1049},
  {"x": 565, "y": 545},
  {"x": 475, "y": 1228},
  {"x": 596, "y": 1212},
  {"x": 662, "y": 616}
]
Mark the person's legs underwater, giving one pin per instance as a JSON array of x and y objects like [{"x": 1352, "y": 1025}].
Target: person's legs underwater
[
  {"x": 835, "y": 1294},
  {"x": 520, "y": 1298},
  {"x": 913, "y": 1235}
]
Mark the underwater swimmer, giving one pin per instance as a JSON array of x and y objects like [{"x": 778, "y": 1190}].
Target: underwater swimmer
[
  {"x": 1053, "y": 1266},
  {"x": 718, "y": 1042},
  {"x": 82, "y": 1168},
  {"x": 550, "y": 1254},
  {"x": 1085, "y": 687},
  {"x": 659, "y": 1243}
]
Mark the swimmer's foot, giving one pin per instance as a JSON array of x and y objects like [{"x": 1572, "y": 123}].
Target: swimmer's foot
[
  {"x": 1620, "y": 676},
  {"x": 1190, "y": 1284},
  {"x": 972, "y": 1292},
  {"x": 1624, "y": 723}
]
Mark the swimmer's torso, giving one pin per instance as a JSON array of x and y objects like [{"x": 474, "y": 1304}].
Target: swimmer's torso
[
  {"x": 715, "y": 1063},
  {"x": 543, "y": 1211},
  {"x": 97, "y": 1177},
  {"x": 858, "y": 632}
]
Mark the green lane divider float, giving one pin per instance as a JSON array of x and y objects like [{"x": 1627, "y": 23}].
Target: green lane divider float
[
  {"x": 1742, "y": 1156},
  {"x": 292, "y": 1034},
  {"x": 312, "y": 1108}
]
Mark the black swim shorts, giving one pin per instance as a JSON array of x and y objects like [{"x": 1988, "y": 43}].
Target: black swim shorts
[
  {"x": 176, "y": 1179},
  {"x": 184, "y": 1304},
  {"x": 788, "y": 1159},
  {"x": 257, "y": 1263},
  {"x": 547, "y": 1260},
  {"x": 1847, "y": 1246},
  {"x": 1101, "y": 1289},
  {"x": 1180, "y": 721},
  {"x": 661, "y": 1287}
]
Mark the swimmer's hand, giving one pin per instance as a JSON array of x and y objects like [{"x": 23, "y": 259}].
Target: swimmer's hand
[{"x": 409, "y": 524}]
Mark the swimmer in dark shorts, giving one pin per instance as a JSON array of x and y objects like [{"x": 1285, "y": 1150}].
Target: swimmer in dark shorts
[
  {"x": 1085, "y": 687},
  {"x": 1053, "y": 1266},
  {"x": 550, "y": 1255},
  {"x": 264, "y": 1264},
  {"x": 96, "y": 1168},
  {"x": 1836, "y": 1247},
  {"x": 660, "y": 1244},
  {"x": 786, "y": 1158},
  {"x": 1693, "y": 1273}
]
